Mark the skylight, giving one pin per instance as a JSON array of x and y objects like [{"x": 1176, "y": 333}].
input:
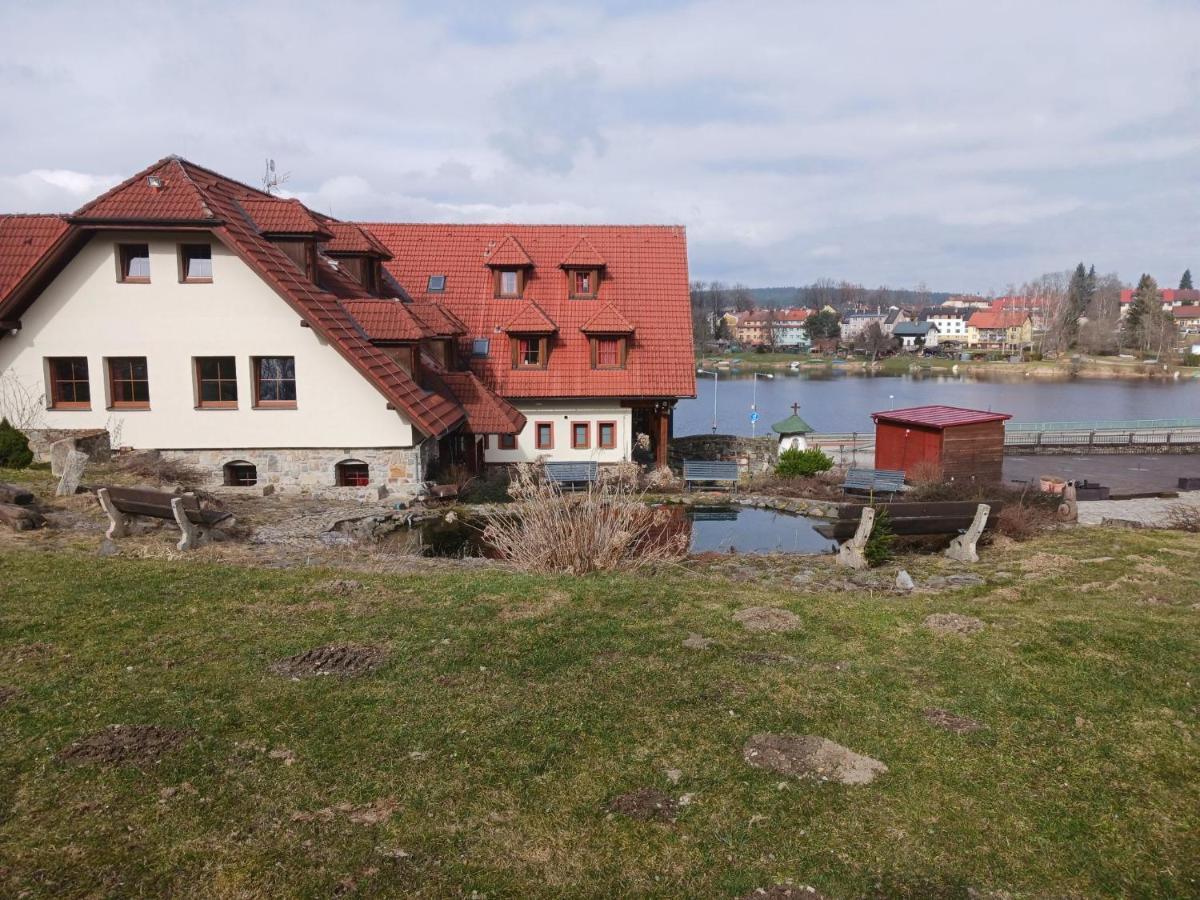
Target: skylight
[
  {"x": 479, "y": 347},
  {"x": 437, "y": 283}
]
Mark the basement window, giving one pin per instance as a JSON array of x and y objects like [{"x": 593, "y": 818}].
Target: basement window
[
  {"x": 437, "y": 284},
  {"x": 353, "y": 473},
  {"x": 240, "y": 474}
]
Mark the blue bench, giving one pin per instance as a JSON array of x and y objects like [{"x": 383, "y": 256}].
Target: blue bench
[
  {"x": 702, "y": 470},
  {"x": 874, "y": 481},
  {"x": 571, "y": 473}
]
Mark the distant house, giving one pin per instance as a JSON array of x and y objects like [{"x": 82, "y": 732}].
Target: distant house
[
  {"x": 1038, "y": 308},
  {"x": 916, "y": 335},
  {"x": 951, "y": 322},
  {"x": 1168, "y": 297},
  {"x": 1187, "y": 318},
  {"x": 895, "y": 316},
  {"x": 855, "y": 323},
  {"x": 755, "y": 329},
  {"x": 997, "y": 329}
]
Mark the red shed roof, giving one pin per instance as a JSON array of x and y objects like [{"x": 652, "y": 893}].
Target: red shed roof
[
  {"x": 277, "y": 216},
  {"x": 938, "y": 416},
  {"x": 645, "y": 280}
]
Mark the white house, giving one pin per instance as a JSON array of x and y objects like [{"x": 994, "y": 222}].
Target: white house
[
  {"x": 916, "y": 335},
  {"x": 267, "y": 344}
]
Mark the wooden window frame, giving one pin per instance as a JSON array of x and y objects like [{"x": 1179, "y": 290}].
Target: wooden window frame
[
  {"x": 593, "y": 274},
  {"x": 112, "y": 381},
  {"x": 339, "y": 473},
  {"x": 518, "y": 357},
  {"x": 622, "y": 351},
  {"x": 587, "y": 438},
  {"x": 55, "y": 403},
  {"x": 201, "y": 403},
  {"x": 506, "y": 442},
  {"x": 600, "y": 443},
  {"x": 537, "y": 435},
  {"x": 122, "y": 256},
  {"x": 258, "y": 402},
  {"x": 181, "y": 252},
  {"x": 497, "y": 277}
]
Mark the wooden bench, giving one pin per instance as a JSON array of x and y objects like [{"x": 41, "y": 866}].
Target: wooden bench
[
  {"x": 194, "y": 522},
  {"x": 874, "y": 481},
  {"x": 572, "y": 473},
  {"x": 709, "y": 471},
  {"x": 951, "y": 517}
]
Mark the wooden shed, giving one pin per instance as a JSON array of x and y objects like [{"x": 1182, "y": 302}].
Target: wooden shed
[{"x": 960, "y": 444}]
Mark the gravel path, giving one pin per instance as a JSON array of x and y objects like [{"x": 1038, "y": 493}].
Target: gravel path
[{"x": 1152, "y": 511}]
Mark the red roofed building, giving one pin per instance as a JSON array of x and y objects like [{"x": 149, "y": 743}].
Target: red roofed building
[
  {"x": 947, "y": 441},
  {"x": 1000, "y": 329},
  {"x": 267, "y": 343},
  {"x": 1170, "y": 297},
  {"x": 773, "y": 328}
]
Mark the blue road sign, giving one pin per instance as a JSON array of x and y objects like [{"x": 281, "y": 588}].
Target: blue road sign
[{"x": 753, "y": 417}]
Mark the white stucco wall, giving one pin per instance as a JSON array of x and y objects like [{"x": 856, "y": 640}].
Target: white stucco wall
[
  {"x": 86, "y": 312},
  {"x": 562, "y": 415}
]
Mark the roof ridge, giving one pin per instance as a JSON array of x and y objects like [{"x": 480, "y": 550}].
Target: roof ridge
[{"x": 132, "y": 179}]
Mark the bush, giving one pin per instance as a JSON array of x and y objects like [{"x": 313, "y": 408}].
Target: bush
[
  {"x": 607, "y": 527},
  {"x": 802, "y": 463},
  {"x": 1190, "y": 359},
  {"x": 14, "y": 447},
  {"x": 879, "y": 544}
]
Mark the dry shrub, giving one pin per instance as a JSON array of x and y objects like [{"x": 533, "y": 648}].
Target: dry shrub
[
  {"x": 604, "y": 528},
  {"x": 1185, "y": 517},
  {"x": 1025, "y": 513},
  {"x": 150, "y": 466},
  {"x": 625, "y": 473},
  {"x": 662, "y": 479},
  {"x": 925, "y": 472},
  {"x": 823, "y": 486},
  {"x": 1021, "y": 521}
]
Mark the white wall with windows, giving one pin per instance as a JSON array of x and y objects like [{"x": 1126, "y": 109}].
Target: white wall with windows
[
  {"x": 564, "y": 423},
  {"x": 149, "y": 333}
]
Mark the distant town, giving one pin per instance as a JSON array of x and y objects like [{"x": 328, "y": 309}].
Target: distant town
[{"x": 1074, "y": 311}]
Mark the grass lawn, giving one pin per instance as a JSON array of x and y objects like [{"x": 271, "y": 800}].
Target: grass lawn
[{"x": 481, "y": 757}]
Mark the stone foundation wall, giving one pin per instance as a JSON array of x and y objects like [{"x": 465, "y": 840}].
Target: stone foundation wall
[
  {"x": 394, "y": 471},
  {"x": 756, "y": 454}
]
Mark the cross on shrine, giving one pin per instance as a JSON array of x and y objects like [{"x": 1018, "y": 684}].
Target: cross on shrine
[{"x": 795, "y": 409}]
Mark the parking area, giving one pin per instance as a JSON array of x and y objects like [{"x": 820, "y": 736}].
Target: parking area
[{"x": 1125, "y": 474}]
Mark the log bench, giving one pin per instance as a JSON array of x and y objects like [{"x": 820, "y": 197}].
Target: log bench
[
  {"x": 195, "y": 523},
  {"x": 696, "y": 471},
  {"x": 908, "y": 519}
]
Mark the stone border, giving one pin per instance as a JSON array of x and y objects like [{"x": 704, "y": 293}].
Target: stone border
[{"x": 802, "y": 506}]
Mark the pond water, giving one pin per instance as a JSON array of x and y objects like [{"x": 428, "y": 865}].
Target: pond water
[
  {"x": 833, "y": 402},
  {"x": 710, "y": 529}
]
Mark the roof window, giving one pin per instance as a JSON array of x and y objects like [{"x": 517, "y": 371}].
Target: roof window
[
  {"x": 437, "y": 283},
  {"x": 480, "y": 347}
]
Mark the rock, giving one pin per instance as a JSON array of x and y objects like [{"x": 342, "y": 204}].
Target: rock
[
  {"x": 697, "y": 641},
  {"x": 944, "y": 624},
  {"x": 936, "y": 581},
  {"x": 904, "y": 581},
  {"x": 809, "y": 756},
  {"x": 673, "y": 775},
  {"x": 965, "y": 580},
  {"x": 108, "y": 547},
  {"x": 767, "y": 618},
  {"x": 804, "y": 577}
]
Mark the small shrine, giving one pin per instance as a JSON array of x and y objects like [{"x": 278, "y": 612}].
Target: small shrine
[{"x": 792, "y": 431}]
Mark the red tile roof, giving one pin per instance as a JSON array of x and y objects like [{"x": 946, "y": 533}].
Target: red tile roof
[
  {"x": 508, "y": 252},
  {"x": 487, "y": 412},
  {"x": 997, "y": 318},
  {"x": 781, "y": 316},
  {"x": 530, "y": 320},
  {"x": 176, "y": 199},
  {"x": 583, "y": 256},
  {"x": 607, "y": 321},
  {"x": 1167, "y": 295},
  {"x": 938, "y": 416},
  {"x": 275, "y": 215},
  {"x": 645, "y": 280},
  {"x": 440, "y": 322},
  {"x": 349, "y": 239},
  {"x": 24, "y": 240},
  {"x": 1186, "y": 312},
  {"x": 387, "y": 320}
]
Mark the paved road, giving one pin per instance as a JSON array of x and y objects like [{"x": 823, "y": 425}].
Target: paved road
[
  {"x": 1125, "y": 474},
  {"x": 1149, "y": 512}
]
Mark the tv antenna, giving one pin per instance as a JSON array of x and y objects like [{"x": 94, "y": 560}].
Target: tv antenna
[{"x": 271, "y": 180}]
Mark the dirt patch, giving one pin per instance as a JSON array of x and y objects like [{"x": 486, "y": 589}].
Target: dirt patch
[
  {"x": 1046, "y": 563},
  {"x": 1152, "y": 569},
  {"x": 117, "y": 744},
  {"x": 340, "y": 587},
  {"x": 943, "y": 624},
  {"x": 21, "y": 653},
  {"x": 533, "y": 609},
  {"x": 769, "y": 659},
  {"x": 344, "y": 660},
  {"x": 944, "y": 719},
  {"x": 7, "y": 694},
  {"x": 785, "y": 892},
  {"x": 374, "y": 813},
  {"x": 767, "y": 618},
  {"x": 697, "y": 641},
  {"x": 645, "y": 805},
  {"x": 809, "y": 756}
]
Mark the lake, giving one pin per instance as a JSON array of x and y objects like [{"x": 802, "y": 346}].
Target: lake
[{"x": 832, "y": 402}]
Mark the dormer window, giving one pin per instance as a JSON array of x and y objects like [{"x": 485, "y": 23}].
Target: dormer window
[
  {"x": 584, "y": 282},
  {"x": 437, "y": 284},
  {"x": 608, "y": 352},
  {"x": 530, "y": 351},
  {"x": 509, "y": 282}
]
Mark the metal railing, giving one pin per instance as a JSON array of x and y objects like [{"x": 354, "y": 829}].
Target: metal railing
[{"x": 1114, "y": 425}]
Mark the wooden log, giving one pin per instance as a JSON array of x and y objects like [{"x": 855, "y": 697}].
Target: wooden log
[
  {"x": 911, "y": 510},
  {"x": 10, "y": 493},
  {"x": 20, "y": 518},
  {"x": 844, "y": 529}
]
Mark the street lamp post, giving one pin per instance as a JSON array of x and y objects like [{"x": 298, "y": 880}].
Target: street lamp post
[
  {"x": 716, "y": 378},
  {"x": 754, "y": 401}
]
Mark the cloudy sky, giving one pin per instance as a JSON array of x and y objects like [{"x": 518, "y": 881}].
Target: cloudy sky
[{"x": 960, "y": 144}]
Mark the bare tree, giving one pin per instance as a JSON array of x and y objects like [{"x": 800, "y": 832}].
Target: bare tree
[
  {"x": 873, "y": 341},
  {"x": 742, "y": 299},
  {"x": 20, "y": 403}
]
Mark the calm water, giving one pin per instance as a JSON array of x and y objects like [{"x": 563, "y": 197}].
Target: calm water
[{"x": 832, "y": 402}]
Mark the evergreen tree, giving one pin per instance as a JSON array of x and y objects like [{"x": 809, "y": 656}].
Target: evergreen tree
[
  {"x": 1080, "y": 291},
  {"x": 1140, "y": 314},
  {"x": 1185, "y": 283}
]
